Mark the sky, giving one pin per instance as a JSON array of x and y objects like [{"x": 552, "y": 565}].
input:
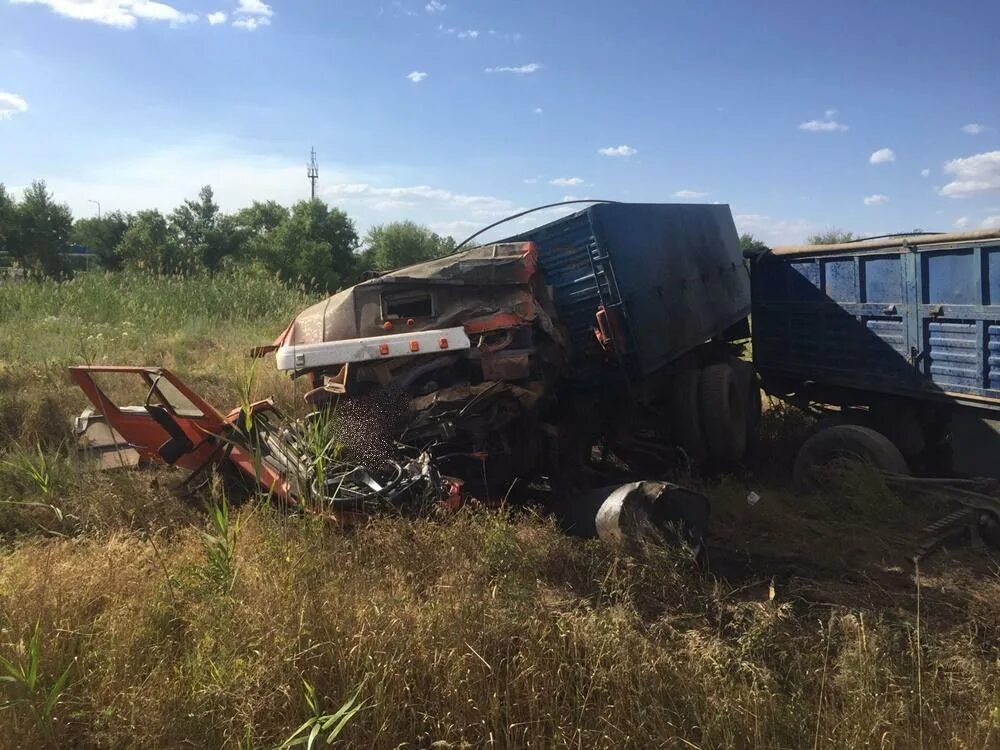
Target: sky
[{"x": 872, "y": 117}]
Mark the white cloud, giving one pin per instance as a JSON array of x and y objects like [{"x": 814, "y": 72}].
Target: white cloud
[
  {"x": 374, "y": 194},
  {"x": 11, "y": 104},
  {"x": 826, "y": 125},
  {"x": 520, "y": 69},
  {"x": 426, "y": 198},
  {"x": 122, "y": 14},
  {"x": 251, "y": 23},
  {"x": 163, "y": 178},
  {"x": 538, "y": 110},
  {"x": 622, "y": 150},
  {"x": 515, "y": 37},
  {"x": 690, "y": 195},
  {"x": 435, "y": 7},
  {"x": 974, "y": 128},
  {"x": 398, "y": 8},
  {"x": 876, "y": 200},
  {"x": 961, "y": 222},
  {"x": 566, "y": 181},
  {"x": 216, "y": 18},
  {"x": 925, "y": 173},
  {"x": 457, "y": 228},
  {"x": 882, "y": 156},
  {"x": 417, "y": 76},
  {"x": 530, "y": 180},
  {"x": 991, "y": 222},
  {"x": 975, "y": 174},
  {"x": 254, "y": 8},
  {"x": 460, "y": 33},
  {"x": 774, "y": 231}
]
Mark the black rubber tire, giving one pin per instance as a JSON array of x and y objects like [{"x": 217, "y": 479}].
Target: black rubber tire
[
  {"x": 685, "y": 415},
  {"x": 751, "y": 386},
  {"x": 845, "y": 441},
  {"x": 722, "y": 400}
]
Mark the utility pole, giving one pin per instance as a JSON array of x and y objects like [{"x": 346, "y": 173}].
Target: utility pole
[
  {"x": 91, "y": 200},
  {"x": 312, "y": 171}
]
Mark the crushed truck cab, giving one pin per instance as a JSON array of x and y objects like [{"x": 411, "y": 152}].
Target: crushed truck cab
[{"x": 513, "y": 360}]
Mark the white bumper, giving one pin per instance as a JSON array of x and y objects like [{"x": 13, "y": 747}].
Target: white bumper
[{"x": 324, "y": 354}]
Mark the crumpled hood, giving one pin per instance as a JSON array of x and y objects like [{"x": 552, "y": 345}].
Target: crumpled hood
[{"x": 481, "y": 289}]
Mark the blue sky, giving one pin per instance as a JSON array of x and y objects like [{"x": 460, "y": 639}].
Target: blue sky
[{"x": 873, "y": 117}]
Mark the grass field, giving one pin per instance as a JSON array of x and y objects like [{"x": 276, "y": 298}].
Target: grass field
[{"x": 131, "y": 618}]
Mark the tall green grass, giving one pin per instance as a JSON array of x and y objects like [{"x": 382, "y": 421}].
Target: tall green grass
[
  {"x": 130, "y": 617},
  {"x": 200, "y": 326},
  {"x": 95, "y": 316}
]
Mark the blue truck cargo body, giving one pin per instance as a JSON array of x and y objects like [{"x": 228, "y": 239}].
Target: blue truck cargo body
[
  {"x": 915, "y": 317},
  {"x": 674, "y": 273}
]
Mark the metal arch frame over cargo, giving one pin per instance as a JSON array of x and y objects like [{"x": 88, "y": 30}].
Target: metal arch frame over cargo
[
  {"x": 674, "y": 272},
  {"x": 910, "y": 316}
]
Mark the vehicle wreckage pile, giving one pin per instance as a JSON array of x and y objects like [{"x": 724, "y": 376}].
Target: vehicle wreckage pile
[
  {"x": 500, "y": 372},
  {"x": 432, "y": 384}
]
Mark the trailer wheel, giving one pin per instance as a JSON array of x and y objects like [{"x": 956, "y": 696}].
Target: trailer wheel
[
  {"x": 722, "y": 399},
  {"x": 685, "y": 415},
  {"x": 842, "y": 441}
]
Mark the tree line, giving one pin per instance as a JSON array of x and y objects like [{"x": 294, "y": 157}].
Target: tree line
[
  {"x": 309, "y": 243},
  {"x": 826, "y": 237}
]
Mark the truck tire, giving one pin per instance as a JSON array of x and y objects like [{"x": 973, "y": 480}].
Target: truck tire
[
  {"x": 751, "y": 386},
  {"x": 685, "y": 415},
  {"x": 845, "y": 441},
  {"x": 722, "y": 400}
]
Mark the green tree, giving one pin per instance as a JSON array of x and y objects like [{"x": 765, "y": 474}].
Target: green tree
[
  {"x": 403, "y": 243},
  {"x": 256, "y": 226},
  {"x": 262, "y": 217},
  {"x": 749, "y": 242},
  {"x": 202, "y": 230},
  {"x": 8, "y": 223},
  {"x": 102, "y": 235},
  {"x": 314, "y": 246},
  {"x": 150, "y": 243},
  {"x": 831, "y": 237},
  {"x": 42, "y": 232}
]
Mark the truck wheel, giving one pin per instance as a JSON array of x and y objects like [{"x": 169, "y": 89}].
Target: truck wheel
[
  {"x": 722, "y": 400},
  {"x": 751, "y": 386},
  {"x": 685, "y": 415},
  {"x": 842, "y": 441}
]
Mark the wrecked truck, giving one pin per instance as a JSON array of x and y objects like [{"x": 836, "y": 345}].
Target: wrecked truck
[
  {"x": 563, "y": 363},
  {"x": 609, "y": 337}
]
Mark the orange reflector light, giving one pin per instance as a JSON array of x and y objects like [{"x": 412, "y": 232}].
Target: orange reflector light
[
  {"x": 414, "y": 346},
  {"x": 383, "y": 349},
  {"x": 443, "y": 343}
]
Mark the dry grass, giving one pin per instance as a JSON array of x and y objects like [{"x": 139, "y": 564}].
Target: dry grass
[{"x": 474, "y": 629}]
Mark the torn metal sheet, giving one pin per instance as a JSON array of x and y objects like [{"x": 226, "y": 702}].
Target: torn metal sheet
[{"x": 101, "y": 444}]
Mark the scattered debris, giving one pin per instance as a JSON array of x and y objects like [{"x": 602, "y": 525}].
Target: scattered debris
[
  {"x": 977, "y": 521},
  {"x": 298, "y": 463}
]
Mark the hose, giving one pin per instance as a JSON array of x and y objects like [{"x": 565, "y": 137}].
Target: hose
[{"x": 467, "y": 240}]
